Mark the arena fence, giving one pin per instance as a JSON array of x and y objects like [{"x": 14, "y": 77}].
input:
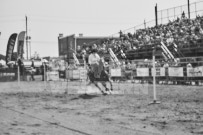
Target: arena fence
[
  {"x": 137, "y": 82},
  {"x": 140, "y": 73}
]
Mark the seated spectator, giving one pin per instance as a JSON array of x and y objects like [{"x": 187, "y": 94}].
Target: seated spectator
[
  {"x": 182, "y": 31},
  {"x": 166, "y": 65},
  {"x": 189, "y": 65},
  {"x": 128, "y": 66}
]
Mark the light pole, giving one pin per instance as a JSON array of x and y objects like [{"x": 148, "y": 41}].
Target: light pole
[
  {"x": 30, "y": 45},
  {"x": 188, "y": 2},
  {"x": 26, "y": 37}
]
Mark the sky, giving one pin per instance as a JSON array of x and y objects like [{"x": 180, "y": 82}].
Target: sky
[{"x": 48, "y": 18}]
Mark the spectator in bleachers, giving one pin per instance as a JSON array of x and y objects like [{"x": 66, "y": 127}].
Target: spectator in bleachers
[
  {"x": 183, "y": 15},
  {"x": 183, "y": 32},
  {"x": 166, "y": 65},
  {"x": 123, "y": 65},
  {"x": 133, "y": 66},
  {"x": 189, "y": 65},
  {"x": 128, "y": 66}
]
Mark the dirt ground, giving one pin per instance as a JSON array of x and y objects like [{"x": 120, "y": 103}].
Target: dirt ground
[{"x": 35, "y": 108}]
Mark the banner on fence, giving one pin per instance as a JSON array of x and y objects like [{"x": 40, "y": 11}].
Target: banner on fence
[
  {"x": 76, "y": 74},
  {"x": 175, "y": 71},
  {"x": 195, "y": 72},
  {"x": 83, "y": 74},
  {"x": 159, "y": 71},
  {"x": 62, "y": 74},
  {"x": 116, "y": 72},
  {"x": 53, "y": 76},
  {"x": 142, "y": 71},
  {"x": 38, "y": 63},
  {"x": 69, "y": 74}
]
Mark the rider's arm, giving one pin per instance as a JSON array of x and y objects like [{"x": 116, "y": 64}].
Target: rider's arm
[
  {"x": 98, "y": 57},
  {"x": 90, "y": 59}
]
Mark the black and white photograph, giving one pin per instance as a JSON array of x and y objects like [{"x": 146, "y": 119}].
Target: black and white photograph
[{"x": 101, "y": 67}]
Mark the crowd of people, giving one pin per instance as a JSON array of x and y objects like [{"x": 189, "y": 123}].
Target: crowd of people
[{"x": 183, "y": 32}]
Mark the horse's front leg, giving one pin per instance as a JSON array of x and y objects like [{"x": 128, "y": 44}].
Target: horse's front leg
[
  {"x": 104, "y": 84},
  {"x": 96, "y": 84}
]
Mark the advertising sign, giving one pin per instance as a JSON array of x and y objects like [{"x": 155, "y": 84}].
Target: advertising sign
[
  {"x": 52, "y": 76},
  {"x": 143, "y": 72},
  {"x": 159, "y": 71},
  {"x": 83, "y": 74},
  {"x": 175, "y": 71},
  {"x": 116, "y": 72},
  {"x": 195, "y": 72},
  {"x": 76, "y": 74},
  {"x": 69, "y": 74}
]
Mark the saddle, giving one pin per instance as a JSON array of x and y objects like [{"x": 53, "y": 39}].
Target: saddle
[{"x": 97, "y": 69}]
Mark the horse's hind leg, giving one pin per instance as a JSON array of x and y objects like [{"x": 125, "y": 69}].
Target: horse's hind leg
[
  {"x": 104, "y": 84},
  {"x": 111, "y": 84}
]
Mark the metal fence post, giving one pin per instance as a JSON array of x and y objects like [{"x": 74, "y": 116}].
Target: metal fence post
[
  {"x": 154, "y": 81},
  {"x": 18, "y": 75},
  {"x": 44, "y": 76}
]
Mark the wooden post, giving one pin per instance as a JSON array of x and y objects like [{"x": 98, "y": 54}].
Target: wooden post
[
  {"x": 154, "y": 77},
  {"x": 44, "y": 76},
  {"x": 18, "y": 75}
]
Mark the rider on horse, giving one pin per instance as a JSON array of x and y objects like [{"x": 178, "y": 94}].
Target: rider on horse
[
  {"x": 97, "y": 71},
  {"x": 93, "y": 61}
]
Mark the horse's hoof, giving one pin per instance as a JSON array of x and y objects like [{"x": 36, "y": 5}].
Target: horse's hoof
[
  {"x": 109, "y": 93},
  {"x": 104, "y": 93}
]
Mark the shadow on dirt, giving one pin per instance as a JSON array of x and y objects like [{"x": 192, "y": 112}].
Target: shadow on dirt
[{"x": 85, "y": 96}]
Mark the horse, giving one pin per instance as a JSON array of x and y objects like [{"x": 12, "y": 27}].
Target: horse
[{"x": 100, "y": 75}]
